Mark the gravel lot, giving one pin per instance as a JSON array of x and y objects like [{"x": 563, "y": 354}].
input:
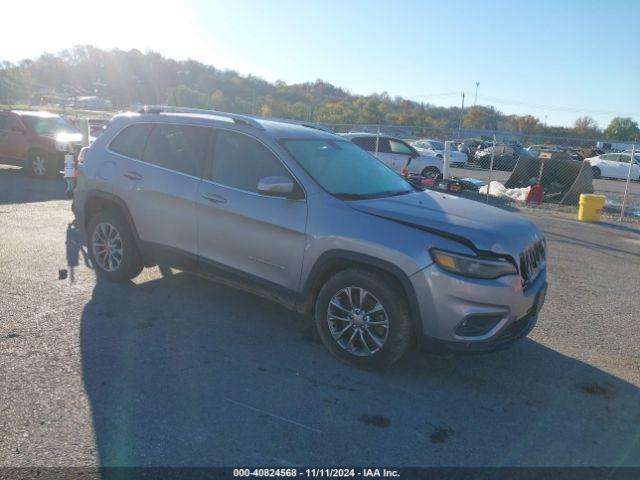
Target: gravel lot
[{"x": 179, "y": 371}]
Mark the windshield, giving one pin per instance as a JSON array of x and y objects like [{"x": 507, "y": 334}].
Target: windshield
[
  {"x": 49, "y": 125},
  {"x": 346, "y": 170}
]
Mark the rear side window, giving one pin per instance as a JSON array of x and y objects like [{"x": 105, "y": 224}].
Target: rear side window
[
  {"x": 130, "y": 142},
  {"x": 178, "y": 147},
  {"x": 368, "y": 143},
  {"x": 240, "y": 162}
]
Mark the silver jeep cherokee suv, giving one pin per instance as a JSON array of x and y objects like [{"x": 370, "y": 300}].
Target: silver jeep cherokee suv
[{"x": 295, "y": 213}]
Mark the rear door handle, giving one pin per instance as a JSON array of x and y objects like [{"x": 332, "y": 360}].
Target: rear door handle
[
  {"x": 214, "y": 198},
  {"x": 133, "y": 176}
]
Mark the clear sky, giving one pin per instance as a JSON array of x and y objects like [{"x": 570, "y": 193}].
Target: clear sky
[{"x": 560, "y": 59}]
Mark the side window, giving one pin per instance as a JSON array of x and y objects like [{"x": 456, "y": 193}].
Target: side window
[
  {"x": 240, "y": 162},
  {"x": 611, "y": 157},
  {"x": 367, "y": 143},
  {"x": 9, "y": 122},
  {"x": 400, "y": 147},
  {"x": 383, "y": 145},
  {"x": 178, "y": 147},
  {"x": 625, "y": 158},
  {"x": 130, "y": 142}
]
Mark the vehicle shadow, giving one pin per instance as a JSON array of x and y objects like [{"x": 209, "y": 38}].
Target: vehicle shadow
[
  {"x": 17, "y": 187},
  {"x": 183, "y": 372}
]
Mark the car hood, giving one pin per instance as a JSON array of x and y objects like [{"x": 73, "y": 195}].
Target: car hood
[
  {"x": 425, "y": 152},
  {"x": 481, "y": 227},
  {"x": 65, "y": 137}
]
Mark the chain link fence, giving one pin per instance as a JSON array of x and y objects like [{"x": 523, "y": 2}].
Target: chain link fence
[{"x": 522, "y": 170}]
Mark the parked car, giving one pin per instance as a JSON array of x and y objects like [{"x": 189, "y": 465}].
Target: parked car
[
  {"x": 505, "y": 157},
  {"x": 615, "y": 165},
  {"x": 313, "y": 221},
  {"x": 458, "y": 159},
  {"x": 536, "y": 149},
  {"x": 398, "y": 154},
  {"x": 37, "y": 140},
  {"x": 472, "y": 145}
]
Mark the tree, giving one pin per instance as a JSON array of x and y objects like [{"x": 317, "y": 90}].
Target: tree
[
  {"x": 481, "y": 117},
  {"x": 528, "y": 124},
  {"x": 622, "y": 128},
  {"x": 586, "y": 126},
  {"x": 183, "y": 96}
]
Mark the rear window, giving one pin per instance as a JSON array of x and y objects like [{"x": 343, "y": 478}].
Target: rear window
[{"x": 130, "y": 142}]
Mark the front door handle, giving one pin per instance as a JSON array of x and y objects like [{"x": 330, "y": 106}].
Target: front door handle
[
  {"x": 133, "y": 176},
  {"x": 214, "y": 198}
]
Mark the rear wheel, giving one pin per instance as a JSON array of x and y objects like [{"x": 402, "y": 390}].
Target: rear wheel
[
  {"x": 430, "y": 172},
  {"x": 363, "y": 319},
  {"x": 596, "y": 172},
  {"x": 112, "y": 247}
]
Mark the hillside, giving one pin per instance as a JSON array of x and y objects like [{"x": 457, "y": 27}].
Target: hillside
[{"x": 127, "y": 77}]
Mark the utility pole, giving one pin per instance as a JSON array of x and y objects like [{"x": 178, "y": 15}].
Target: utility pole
[
  {"x": 475, "y": 100},
  {"x": 461, "y": 115}
]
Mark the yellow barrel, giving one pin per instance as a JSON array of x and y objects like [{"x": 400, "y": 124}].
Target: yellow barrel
[{"x": 591, "y": 207}]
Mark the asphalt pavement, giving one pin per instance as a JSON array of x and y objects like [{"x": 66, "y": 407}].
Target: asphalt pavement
[{"x": 177, "y": 371}]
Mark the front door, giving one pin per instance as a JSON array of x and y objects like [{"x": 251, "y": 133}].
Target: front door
[{"x": 253, "y": 237}]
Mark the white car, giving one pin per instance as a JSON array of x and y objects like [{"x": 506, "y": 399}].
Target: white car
[
  {"x": 458, "y": 159},
  {"x": 615, "y": 165},
  {"x": 397, "y": 154}
]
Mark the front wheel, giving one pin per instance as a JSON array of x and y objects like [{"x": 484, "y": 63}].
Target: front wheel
[
  {"x": 112, "y": 247},
  {"x": 363, "y": 319},
  {"x": 596, "y": 172},
  {"x": 40, "y": 165}
]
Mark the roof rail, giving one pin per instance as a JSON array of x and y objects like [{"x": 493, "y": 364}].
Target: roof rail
[
  {"x": 302, "y": 123},
  {"x": 240, "y": 119}
]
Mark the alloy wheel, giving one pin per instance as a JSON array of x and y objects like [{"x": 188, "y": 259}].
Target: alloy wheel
[
  {"x": 38, "y": 166},
  {"x": 106, "y": 246},
  {"x": 358, "y": 321}
]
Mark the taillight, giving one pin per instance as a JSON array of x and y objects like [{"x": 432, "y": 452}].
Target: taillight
[
  {"x": 80, "y": 160},
  {"x": 81, "y": 155},
  {"x": 404, "y": 171}
]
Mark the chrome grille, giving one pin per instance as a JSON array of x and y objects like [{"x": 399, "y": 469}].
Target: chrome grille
[{"x": 531, "y": 261}]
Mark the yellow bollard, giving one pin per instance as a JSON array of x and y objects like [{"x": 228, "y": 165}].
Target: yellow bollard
[{"x": 591, "y": 207}]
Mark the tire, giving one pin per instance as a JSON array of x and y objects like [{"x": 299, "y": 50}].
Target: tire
[
  {"x": 130, "y": 263},
  {"x": 430, "y": 172},
  {"x": 40, "y": 165},
  {"x": 393, "y": 341},
  {"x": 596, "y": 172}
]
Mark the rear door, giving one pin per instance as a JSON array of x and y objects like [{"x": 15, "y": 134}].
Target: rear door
[
  {"x": 610, "y": 165},
  {"x": 251, "y": 236},
  {"x": 162, "y": 186}
]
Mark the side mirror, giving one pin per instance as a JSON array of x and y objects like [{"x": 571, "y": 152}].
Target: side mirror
[{"x": 276, "y": 186}]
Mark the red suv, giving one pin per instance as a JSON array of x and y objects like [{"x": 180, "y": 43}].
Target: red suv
[{"x": 37, "y": 141}]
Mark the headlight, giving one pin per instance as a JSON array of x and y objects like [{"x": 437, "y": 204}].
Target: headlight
[
  {"x": 63, "y": 147},
  {"x": 476, "y": 267}
]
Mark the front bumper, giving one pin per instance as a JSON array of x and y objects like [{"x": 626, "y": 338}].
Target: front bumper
[{"x": 446, "y": 303}]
